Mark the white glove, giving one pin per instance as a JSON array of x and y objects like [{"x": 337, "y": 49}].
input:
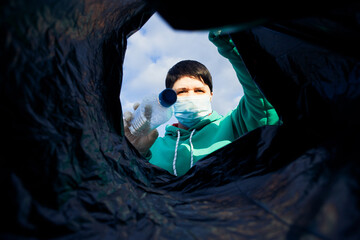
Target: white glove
[{"x": 141, "y": 143}]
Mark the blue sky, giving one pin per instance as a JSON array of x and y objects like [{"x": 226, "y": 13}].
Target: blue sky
[{"x": 156, "y": 47}]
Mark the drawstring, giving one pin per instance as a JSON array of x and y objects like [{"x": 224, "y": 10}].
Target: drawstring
[
  {"x": 176, "y": 147},
  {"x": 191, "y": 150}
]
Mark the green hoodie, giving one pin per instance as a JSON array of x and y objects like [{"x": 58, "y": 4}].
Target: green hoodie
[{"x": 179, "y": 149}]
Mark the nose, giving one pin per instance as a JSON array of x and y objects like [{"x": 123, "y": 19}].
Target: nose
[{"x": 191, "y": 93}]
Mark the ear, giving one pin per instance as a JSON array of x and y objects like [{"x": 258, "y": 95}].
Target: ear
[{"x": 211, "y": 96}]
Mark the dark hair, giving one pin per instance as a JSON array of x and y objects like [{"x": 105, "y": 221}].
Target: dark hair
[{"x": 188, "y": 68}]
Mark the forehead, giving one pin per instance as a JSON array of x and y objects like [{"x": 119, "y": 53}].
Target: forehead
[{"x": 189, "y": 82}]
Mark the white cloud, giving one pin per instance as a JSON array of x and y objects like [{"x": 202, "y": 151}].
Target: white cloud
[{"x": 155, "y": 48}]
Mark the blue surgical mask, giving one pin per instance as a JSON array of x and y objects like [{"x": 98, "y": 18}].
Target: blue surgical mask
[{"x": 190, "y": 110}]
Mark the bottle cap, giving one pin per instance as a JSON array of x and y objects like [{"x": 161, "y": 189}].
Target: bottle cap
[{"x": 167, "y": 97}]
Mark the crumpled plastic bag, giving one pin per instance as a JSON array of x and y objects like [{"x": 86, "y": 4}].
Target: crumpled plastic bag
[{"x": 67, "y": 172}]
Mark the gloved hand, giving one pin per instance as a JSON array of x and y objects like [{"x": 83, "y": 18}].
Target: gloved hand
[{"x": 141, "y": 143}]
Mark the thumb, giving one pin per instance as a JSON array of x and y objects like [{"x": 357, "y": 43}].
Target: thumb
[
  {"x": 153, "y": 135},
  {"x": 146, "y": 142}
]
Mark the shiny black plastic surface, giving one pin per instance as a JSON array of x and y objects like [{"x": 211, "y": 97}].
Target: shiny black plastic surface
[{"x": 67, "y": 172}]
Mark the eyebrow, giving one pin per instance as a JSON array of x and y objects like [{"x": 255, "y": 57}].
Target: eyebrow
[{"x": 185, "y": 88}]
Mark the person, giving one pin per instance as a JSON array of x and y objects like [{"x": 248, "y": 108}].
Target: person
[{"x": 200, "y": 130}]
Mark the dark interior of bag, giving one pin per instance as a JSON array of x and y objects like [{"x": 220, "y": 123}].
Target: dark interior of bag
[{"x": 68, "y": 172}]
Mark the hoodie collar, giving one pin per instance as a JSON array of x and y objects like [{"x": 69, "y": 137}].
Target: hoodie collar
[{"x": 172, "y": 129}]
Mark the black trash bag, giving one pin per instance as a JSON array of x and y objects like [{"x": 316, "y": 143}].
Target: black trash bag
[{"x": 68, "y": 172}]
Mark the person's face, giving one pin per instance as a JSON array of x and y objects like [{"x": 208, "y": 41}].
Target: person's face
[{"x": 189, "y": 86}]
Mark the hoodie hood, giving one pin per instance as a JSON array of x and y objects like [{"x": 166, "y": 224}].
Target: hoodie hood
[{"x": 172, "y": 130}]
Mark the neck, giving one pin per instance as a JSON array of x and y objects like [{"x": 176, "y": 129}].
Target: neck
[{"x": 182, "y": 126}]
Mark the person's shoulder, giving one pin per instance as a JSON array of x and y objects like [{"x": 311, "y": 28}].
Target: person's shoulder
[{"x": 230, "y": 115}]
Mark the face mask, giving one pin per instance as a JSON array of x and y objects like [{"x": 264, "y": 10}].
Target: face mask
[{"x": 190, "y": 110}]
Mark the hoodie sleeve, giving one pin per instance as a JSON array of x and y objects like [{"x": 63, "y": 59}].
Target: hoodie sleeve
[{"x": 254, "y": 110}]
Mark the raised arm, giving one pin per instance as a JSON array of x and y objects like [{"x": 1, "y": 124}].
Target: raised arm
[{"x": 254, "y": 110}]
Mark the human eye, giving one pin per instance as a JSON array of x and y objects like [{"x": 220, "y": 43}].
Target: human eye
[
  {"x": 180, "y": 92},
  {"x": 200, "y": 90}
]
